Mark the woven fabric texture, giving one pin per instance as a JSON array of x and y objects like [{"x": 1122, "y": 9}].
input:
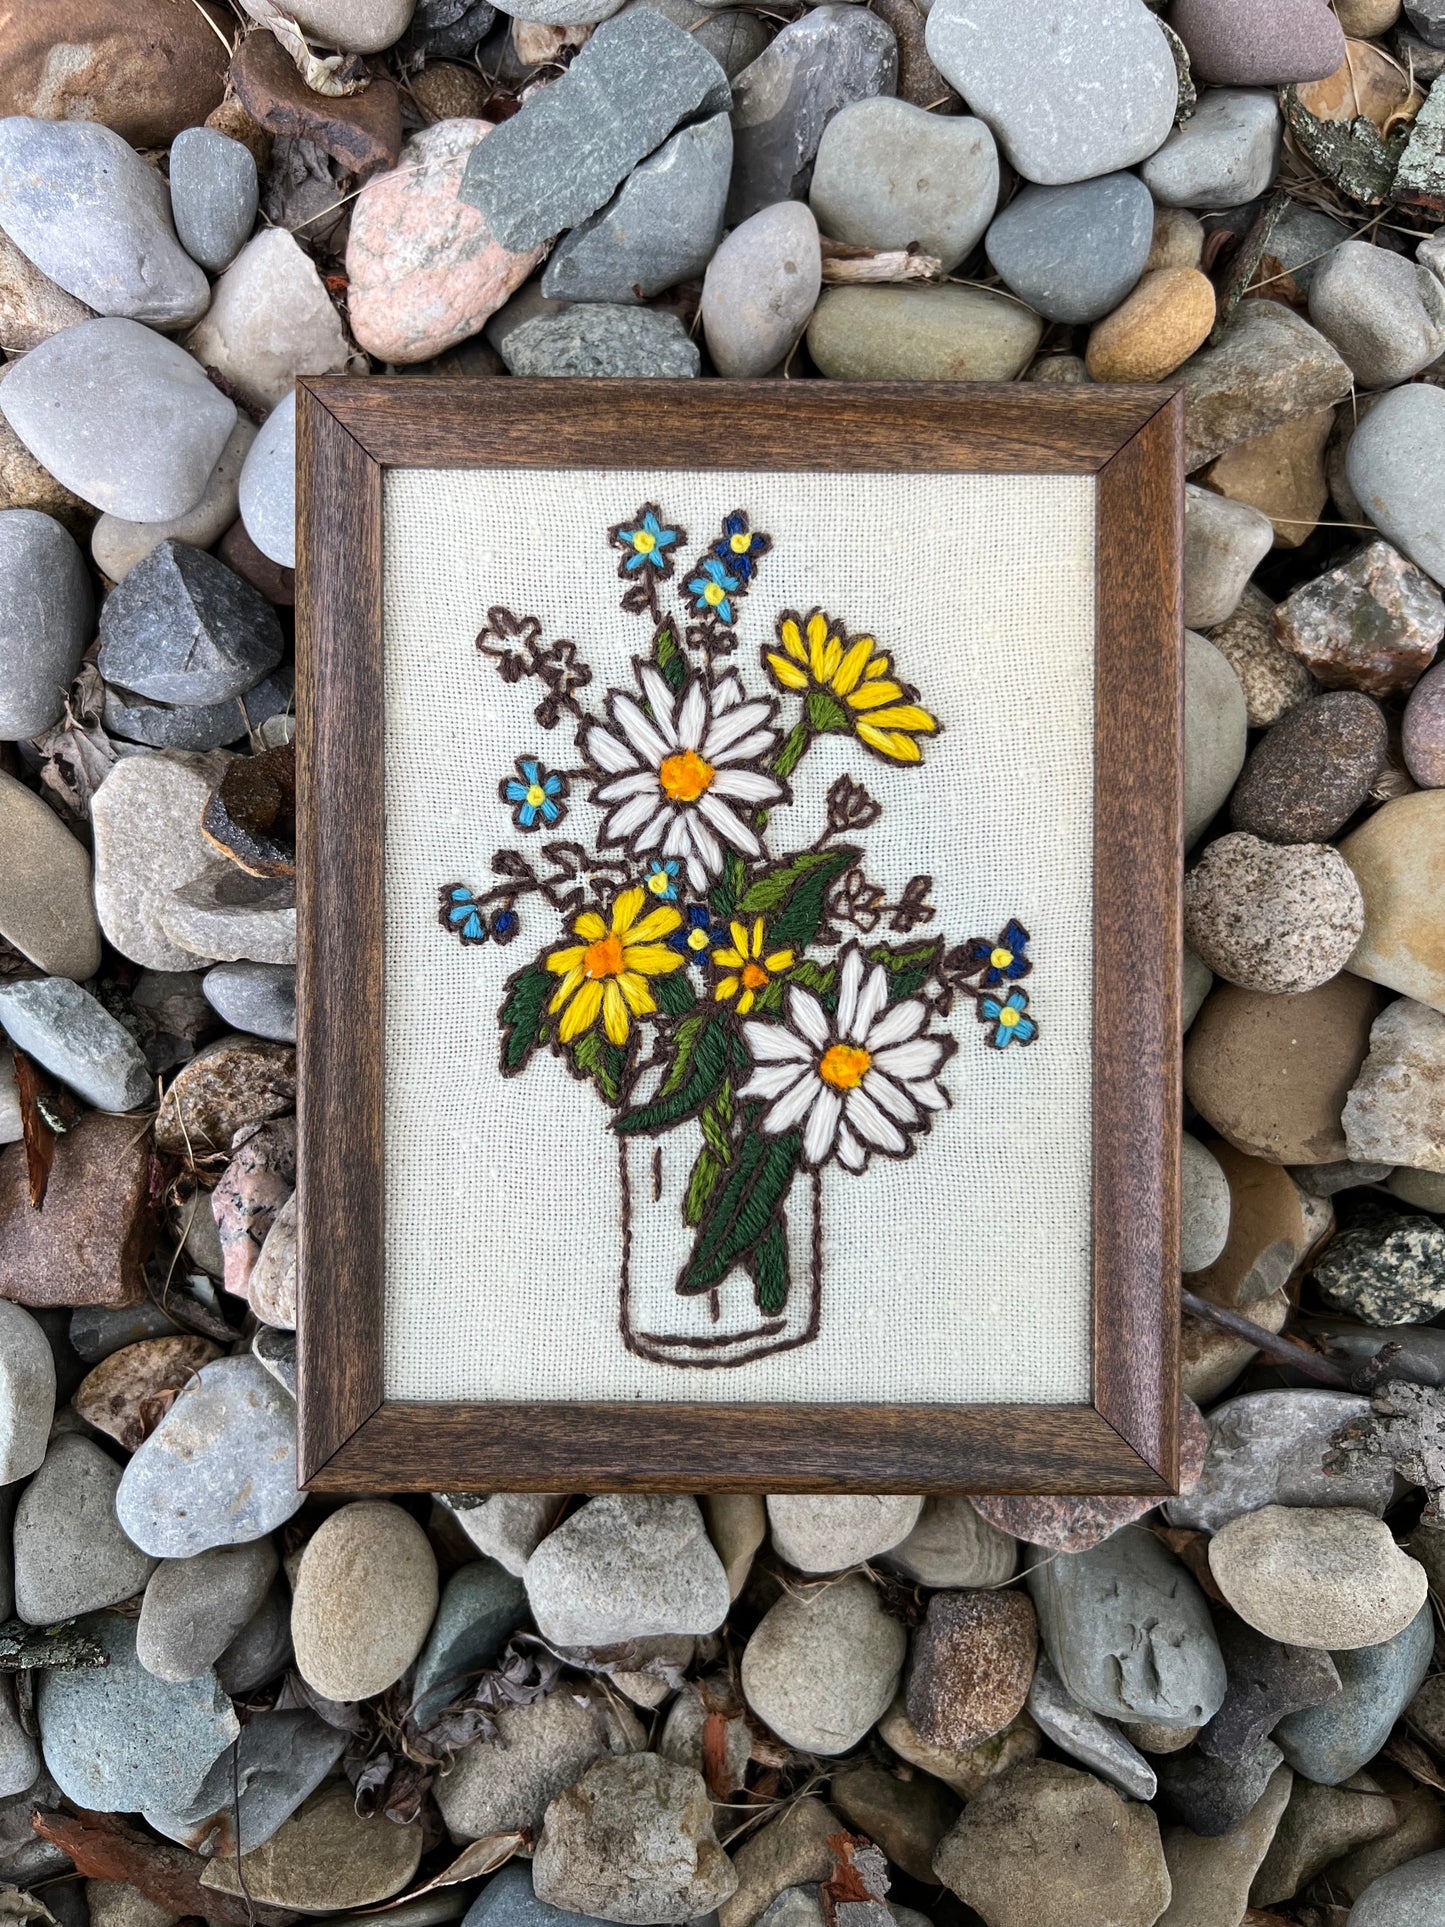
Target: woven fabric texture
[{"x": 960, "y": 1275}]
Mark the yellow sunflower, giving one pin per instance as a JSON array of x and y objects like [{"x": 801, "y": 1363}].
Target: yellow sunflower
[
  {"x": 850, "y": 685},
  {"x": 752, "y": 966},
  {"x": 607, "y": 971}
]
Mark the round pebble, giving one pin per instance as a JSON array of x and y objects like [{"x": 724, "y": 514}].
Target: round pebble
[
  {"x": 1251, "y": 46},
  {"x": 363, "y": 1601},
  {"x": 1314, "y": 769},
  {"x": 1074, "y": 252},
  {"x": 214, "y": 193},
  {"x": 825, "y": 1534},
  {"x": 1398, "y": 857},
  {"x": 1216, "y": 733},
  {"x": 1394, "y": 464},
  {"x": 1224, "y": 155},
  {"x": 1269, "y": 916},
  {"x": 1164, "y": 320},
  {"x": 27, "y": 1393},
  {"x": 1322, "y": 1577},
  {"x": 759, "y": 290},
  {"x": 822, "y": 1663},
  {"x": 1204, "y": 1207},
  {"x": 973, "y": 1659},
  {"x": 267, "y": 493},
  {"x": 1422, "y": 736},
  {"x": 889, "y": 175}
]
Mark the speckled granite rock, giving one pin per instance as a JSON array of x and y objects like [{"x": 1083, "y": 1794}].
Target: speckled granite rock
[
  {"x": 1374, "y": 623},
  {"x": 1272, "y": 917}
]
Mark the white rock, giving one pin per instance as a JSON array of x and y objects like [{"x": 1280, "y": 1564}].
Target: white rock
[
  {"x": 270, "y": 320},
  {"x": 827, "y": 1534},
  {"x": 268, "y": 485},
  {"x": 355, "y": 26},
  {"x": 627, "y": 1566},
  {"x": 27, "y": 1392},
  {"x": 1224, "y": 541},
  {"x": 508, "y": 1526},
  {"x": 1204, "y": 1212},
  {"x": 822, "y": 1664},
  {"x": 148, "y": 843}
]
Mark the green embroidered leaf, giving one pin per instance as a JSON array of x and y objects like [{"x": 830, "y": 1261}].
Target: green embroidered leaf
[
  {"x": 729, "y": 887},
  {"x": 675, "y": 994},
  {"x": 704, "y": 1068},
  {"x": 821, "y": 979},
  {"x": 669, "y": 658},
  {"x": 790, "y": 754},
  {"x": 770, "y": 997},
  {"x": 700, "y": 1186},
  {"x": 769, "y": 1266},
  {"x": 792, "y": 893},
  {"x": 826, "y": 713},
  {"x": 604, "y": 1062},
  {"x": 523, "y": 1015},
  {"x": 686, "y": 1036},
  {"x": 716, "y": 1119},
  {"x": 744, "y": 1207},
  {"x": 909, "y": 966}
]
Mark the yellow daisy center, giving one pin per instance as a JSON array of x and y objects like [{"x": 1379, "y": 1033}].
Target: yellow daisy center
[
  {"x": 754, "y": 976},
  {"x": 604, "y": 958},
  {"x": 713, "y": 594},
  {"x": 536, "y": 796},
  {"x": 684, "y": 776},
  {"x": 844, "y": 1066},
  {"x": 1000, "y": 958},
  {"x": 740, "y": 544},
  {"x": 643, "y": 542},
  {"x": 1008, "y": 1018}
]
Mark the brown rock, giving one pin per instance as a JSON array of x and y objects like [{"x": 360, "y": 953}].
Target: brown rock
[
  {"x": 88, "y": 1243},
  {"x": 1373, "y": 624},
  {"x": 1210, "y": 1360},
  {"x": 125, "y": 1396},
  {"x": 1178, "y": 240},
  {"x": 1154, "y": 329},
  {"x": 1268, "y": 367},
  {"x": 234, "y": 1082},
  {"x": 1419, "y": 1828},
  {"x": 275, "y": 582},
  {"x": 325, "y": 1858},
  {"x": 147, "y": 68},
  {"x": 973, "y": 1659},
  {"x": 232, "y": 119},
  {"x": 1313, "y": 770},
  {"x": 791, "y": 1851},
  {"x": 1319, "y": 1825},
  {"x": 446, "y": 90},
  {"x": 362, "y": 131},
  {"x": 32, "y": 307},
  {"x": 1272, "y": 679},
  {"x": 965, "y": 1769},
  {"x": 1271, "y": 1074},
  {"x": 1398, "y": 857},
  {"x": 1281, "y": 473},
  {"x": 919, "y": 81},
  {"x": 907, "y": 1818},
  {"x": 1269, "y": 1234}
]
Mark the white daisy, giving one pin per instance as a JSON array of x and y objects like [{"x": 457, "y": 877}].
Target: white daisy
[
  {"x": 671, "y": 782},
  {"x": 862, "y": 1078}
]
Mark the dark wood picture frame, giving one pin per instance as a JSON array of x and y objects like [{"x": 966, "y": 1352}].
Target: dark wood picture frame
[{"x": 1130, "y": 440}]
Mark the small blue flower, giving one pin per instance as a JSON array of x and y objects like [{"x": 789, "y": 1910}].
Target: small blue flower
[
  {"x": 1010, "y": 1026},
  {"x": 697, "y": 934},
  {"x": 1000, "y": 959},
  {"x": 505, "y": 924},
  {"x": 740, "y": 547},
  {"x": 534, "y": 793},
  {"x": 662, "y": 878},
  {"x": 645, "y": 543},
  {"x": 460, "y": 913},
  {"x": 711, "y": 590}
]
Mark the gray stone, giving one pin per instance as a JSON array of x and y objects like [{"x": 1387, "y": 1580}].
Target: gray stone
[
  {"x": 1423, "y": 1188},
  {"x": 23, "y": 1856},
  {"x": 194, "y": 1608},
  {"x": 277, "y": 1349},
  {"x": 1224, "y": 542},
  {"x": 954, "y": 1545},
  {"x": 71, "y": 1554},
  {"x": 261, "y": 1649},
  {"x": 1225, "y": 154},
  {"x": 1204, "y": 1207},
  {"x": 822, "y": 1664},
  {"x": 257, "y": 998},
  {"x": 1386, "y": 1271},
  {"x": 1427, "y": 17},
  {"x": 1268, "y": 1448},
  {"x": 1074, "y": 252},
  {"x": 1420, "y": 1354},
  {"x": 825, "y": 1534},
  {"x": 481, "y": 1606},
  {"x": 27, "y": 1400},
  {"x": 198, "y": 727},
  {"x": 183, "y": 628},
  {"x": 1302, "y": 239},
  {"x": 1276, "y": 917},
  {"x": 219, "y": 1469},
  {"x": 19, "y": 1754},
  {"x": 253, "y": 1789},
  {"x": 1212, "y": 1796},
  {"x": 633, "y": 1841},
  {"x": 733, "y": 39},
  {"x": 214, "y": 195},
  {"x": 625, "y": 1567},
  {"x": 226, "y": 916},
  {"x": 687, "y": 1736},
  {"x": 117, "y": 545},
  {"x": 508, "y": 1526},
  {"x": 271, "y": 1290},
  {"x": 1267, "y": 1680},
  {"x": 77, "y": 1040},
  {"x": 575, "y": 140},
  {"x": 267, "y": 492},
  {"x": 540, "y": 1748},
  {"x": 119, "y": 1740},
  {"x": 79, "y": 202},
  {"x": 1268, "y": 366},
  {"x": 1129, "y": 1632},
  {"x": 662, "y": 226},
  {"x": 949, "y": 333},
  {"x": 819, "y": 63},
  {"x": 1408, "y": 1896},
  {"x": 889, "y": 175},
  {"x": 1082, "y": 88},
  {"x": 760, "y": 288},
  {"x": 1329, "y": 1742},
  {"x": 1216, "y": 733},
  {"x": 507, "y": 1900},
  {"x": 1394, "y": 463},
  {"x": 96, "y": 1331},
  {"x": 602, "y": 338},
  {"x": 121, "y": 416},
  {"x": 1384, "y": 314},
  {"x": 46, "y": 619},
  {"x": 1084, "y": 1736}
]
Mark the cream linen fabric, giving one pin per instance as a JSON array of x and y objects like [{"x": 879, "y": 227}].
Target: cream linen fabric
[{"x": 960, "y": 1275}]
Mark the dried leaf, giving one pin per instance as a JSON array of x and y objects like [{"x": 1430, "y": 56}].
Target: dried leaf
[
  {"x": 77, "y": 755},
  {"x": 523, "y": 1674},
  {"x": 46, "y": 1112},
  {"x": 1416, "y": 1761},
  {"x": 483, "y": 1856},
  {"x": 334, "y": 75},
  {"x": 103, "y": 1847}
]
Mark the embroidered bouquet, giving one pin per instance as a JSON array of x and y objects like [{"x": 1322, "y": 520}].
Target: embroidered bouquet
[{"x": 715, "y": 971}]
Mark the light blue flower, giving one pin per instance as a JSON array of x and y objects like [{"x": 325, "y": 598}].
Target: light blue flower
[
  {"x": 535, "y": 794},
  {"x": 645, "y": 543},
  {"x": 711, "y": 591},
  {"x": 662, "y": 878},
  {"x": 1010, "y": 1026}
]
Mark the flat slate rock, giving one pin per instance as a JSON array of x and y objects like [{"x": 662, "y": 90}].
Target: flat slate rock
[
  {"x": 558, "y": 159},
  {"x": 602, "y": 338},
  {"x": 282, "y": 1758},
  {"x": 198, "y": 727},
  {"x": 183, "y": 628},
  {"x": 77, "y": 1040},
  {"x": 46, "y": 619},
  {"x": 1267, "y": 1680},
  {"x": 482, "y": 1605}
]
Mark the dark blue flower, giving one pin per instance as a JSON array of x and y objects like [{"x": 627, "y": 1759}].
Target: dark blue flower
[
  {"x": 505, "y": 924},
  {"x": 534, "y": 793},
  {"x": 1000, "y": 959},
  {"x": 711, "y": 591},
  {"x": 740, "y": 548},
  {"x": 696, "y": 934},
  {"x": 1010, "y": 1026}
]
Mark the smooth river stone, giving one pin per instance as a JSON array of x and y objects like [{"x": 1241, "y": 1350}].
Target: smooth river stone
[
  {"x": 121, "y": 416},
  {"x": 1330, "y": 1741},
  {"x": 267, "y": 492},
  {"x": 214, "y": 194},
  {"x": 1398, "y": 857},
  {"x": 76, "y": 1039},
  {"x": 949, "y": 333},
  {"x": 219, "y": 1469},
  {"x": 117, "y": 545},
  {"x": 825, "y": 1534},
  {"x": 364, "y": 1597},
  {"x": 1074, "y": 252},
  {"x": 760, "y": 288},
  {"x": 27, "y": 1400},
  {"x": 71, "y": 1555},
  {"x": 47, "y": 615},
  {"x": 87, "y": 210},
  {"x": 1315, "y": 1576},
  {"x": 889, "y": 175},
  {"x": 1267, "y": 1448},
  {"x": 46, "y": 908},
  {"x": 1394, "y": 464},
  {"x": 822, "y": 1664}
]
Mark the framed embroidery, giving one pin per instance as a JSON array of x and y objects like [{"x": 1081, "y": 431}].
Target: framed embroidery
[{"x": 739, "y": 936}]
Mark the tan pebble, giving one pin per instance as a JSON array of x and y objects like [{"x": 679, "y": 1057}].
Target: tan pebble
[
  {"x": 446, "y": 90},
  {"x": 1281, "y": 473},
  {"x": 1364, "y": 19},
  {"x": 1178, "y": 240},
  {"x": 1150, "y": 1737},
  {"x": 365, "y": 1596},
  {"x": 1398, "y": 857},
  {"x": 1158, "y": 327}
]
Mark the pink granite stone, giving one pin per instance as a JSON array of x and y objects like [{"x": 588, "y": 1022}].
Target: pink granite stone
[
  {"x": 1423, "y": 733},
  {"x": 1259, "y": 43},
  {"x": 424, "y": 270}
]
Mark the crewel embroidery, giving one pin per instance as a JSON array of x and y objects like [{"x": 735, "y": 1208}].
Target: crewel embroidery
[{"x": 705, "y": 978}]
